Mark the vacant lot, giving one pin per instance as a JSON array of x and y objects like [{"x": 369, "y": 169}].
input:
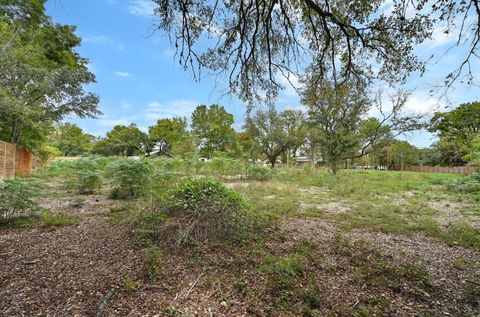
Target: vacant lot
[{"x": 364, "y": 243}]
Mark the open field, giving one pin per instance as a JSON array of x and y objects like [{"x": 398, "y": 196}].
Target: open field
[{"x": 364, "y": 243}]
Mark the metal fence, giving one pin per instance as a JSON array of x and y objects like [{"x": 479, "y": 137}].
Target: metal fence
[{"x": 15, "y": 160}]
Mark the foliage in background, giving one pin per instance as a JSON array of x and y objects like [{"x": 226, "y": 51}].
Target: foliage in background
[
  {"x": 474, "y": 155},
  {"x": 48, "y": 152},
  {"x": 268, "y": 129},
  {"x": 71, "y": 140},
  {"x": 459, "y": 125},
  {"x": 170, "y": 135},
  {"x": 125, "y": 141},
  {"x": 336, "y": 115},
  {"x": 212, "y": 127}
]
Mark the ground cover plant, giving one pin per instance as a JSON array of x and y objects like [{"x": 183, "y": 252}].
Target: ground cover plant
[{"x": 229, "y": 238}]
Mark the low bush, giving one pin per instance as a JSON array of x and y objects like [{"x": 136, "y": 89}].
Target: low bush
[
  {"x": 16, "y": 198},
  {"x": 203, "y": 210},
  {"x": 259, "y": 173},
  {"x": 57, "y": 168},
  {"x": 88, "y": 177},
  {"x": 467, "y": 184},
  {"x": 130, "y": 178}
]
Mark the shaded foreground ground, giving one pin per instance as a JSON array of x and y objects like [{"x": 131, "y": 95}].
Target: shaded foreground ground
[{"x": 327, "y": 253}]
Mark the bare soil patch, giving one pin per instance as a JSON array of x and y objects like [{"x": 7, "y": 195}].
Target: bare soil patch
[
  {"x": 454, "y": 211},
  {"x": 450, "y": 269},
  {"x": 67, "y": 271}
]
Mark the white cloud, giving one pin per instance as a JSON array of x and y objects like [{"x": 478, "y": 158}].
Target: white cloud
[
  {"x": 169, "y": 52},
  {"x": 292, "y": 84},
  {"x": 97, "y": 39},
  {"x": 110, "y": 122},
  {"x": 122, "y": 74},
  {"x": 142, "y": 7},
  {"x": 125, "y": 105},
  {"x": 102, "y": 40},
  {"x": 421, "y": 102},
  {"x": 174, "y": 108},
  {"x": 296, "y": 107},
  {"x": 439, "y": 38}
]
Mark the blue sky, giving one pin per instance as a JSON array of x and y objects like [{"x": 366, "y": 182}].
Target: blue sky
[{"x": 139, "y": 81}]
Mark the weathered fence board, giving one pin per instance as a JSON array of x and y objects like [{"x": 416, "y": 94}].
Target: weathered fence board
[
  {"x": 15, "y": 160},
  {"x": 464, "y": 170}
]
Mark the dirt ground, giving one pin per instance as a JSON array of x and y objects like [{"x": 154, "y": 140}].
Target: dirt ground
[{"x": 83, "y": 270}]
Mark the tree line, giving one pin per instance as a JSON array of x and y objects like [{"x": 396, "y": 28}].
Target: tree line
[{"x": 336, "y": 134}]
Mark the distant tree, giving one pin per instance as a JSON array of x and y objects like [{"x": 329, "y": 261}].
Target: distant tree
[
  {"x": 473, "y": 157},
  {"x": 474, "y": 153},
  {"x": 123, "y": 140},
  {"x": 268, "y": 129},
  {"x": 429, "y": 156},
  {"x": 212, "y": 127},
  {"x": 249, "y": 145},
  {"x": 296, "y": 129},
  {"x": 47, "y": 152},
  {"x": 169, "y": 134},
  {"x": 449, "y": 153},
  {"x": 401, "y": 153},
  {"x": 377, "y": 137},
  {"x": 336, "y": 114},
  {"x": 459, "y": 125},
  {"x": 71, "y": 140}
]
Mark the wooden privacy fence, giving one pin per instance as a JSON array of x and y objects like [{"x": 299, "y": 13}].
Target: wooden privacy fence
[
  {"x": 15, "y": 160},
  {"x": 465, "y": 170}
]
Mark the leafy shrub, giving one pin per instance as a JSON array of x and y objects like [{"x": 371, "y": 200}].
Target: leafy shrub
[
  {"x": 48, "y": 152},
  {"x": 467, "y": 184},
  {"x": 88, "y": 176},
  {"x": 16, "y": 197},
  {"x": 57, "y": 168},
  {"x": 130, "y": 178},
  {"x": 203, "y": 210},
  {"x": 259, "y": 173}
]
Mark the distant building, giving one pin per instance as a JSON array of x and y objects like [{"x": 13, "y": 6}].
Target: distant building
[{"x": 302, "y": 160}]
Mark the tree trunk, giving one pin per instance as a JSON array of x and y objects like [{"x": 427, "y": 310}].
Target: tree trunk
[
  {"x": 334, "y": 168},
  {"x": 272, "y": 163},
  {"x": 13, "y": 132}
]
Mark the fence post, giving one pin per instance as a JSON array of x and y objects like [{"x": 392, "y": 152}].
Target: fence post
[
  {"x": 30, "y": 163},
  {"x": 4, "y": 159},
  {"x": 14, "y": 159}
]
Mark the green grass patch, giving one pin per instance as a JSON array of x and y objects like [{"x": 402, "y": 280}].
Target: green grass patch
[{"x": 53, "y": 220}]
